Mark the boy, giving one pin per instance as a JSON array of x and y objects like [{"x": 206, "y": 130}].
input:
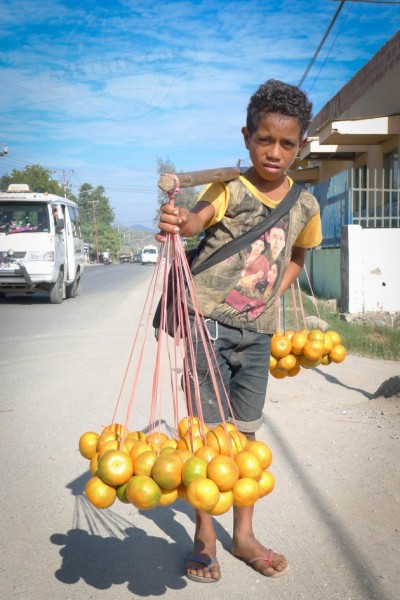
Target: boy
[{"x": 278, "y": 115}]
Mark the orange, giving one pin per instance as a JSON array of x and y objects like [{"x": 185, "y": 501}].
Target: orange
[
  {"x": 206, "y": 452},
  {"x": 116, "y": 428},
  {"x": 298, "y": 340},
  {"x": 184, "y": 455},
  {"x": 138, "y": 448},
  {"x": 167, "y": 450},
  {"x": 93, "y": 464},
  {"x": 88, "y": 443},
  {"x": 167, "y": 471},
  {"x": 181, "y": 492},
  {"x": 194, "y": 468},
  {"x": 326, "y": 360},
  {"x": 202, "y": 494},
  {"x": 277, "y": 373},
  {"x": 115, "y": 467},
  {"x": 272, "y": 362},
  {"x": 143, "y": 463},
  {"x": 218, "y": 438},
  {"x": 313, "y": 349},
  {"x": 168, "y": 497},
  {"x": 248, "y": 464},
  {"x": 246, "y": 492},
  {"x": 190, "y": 442},
  {"x": 121, "y": 493},
  {"x": 187, "y": 423},
  {"x": 169, "y": 443},
  {"x": 99, "y": 493},
  {"x": 338, "y": 353},
  {"x": 316, "y": 334},
  {"x": 286, "y": 363},
  {"x": 143, "y": 492},
  {"x": 112, "y": 445},
  {"x": 266, "y": 483},
  {"x": 129, "y": 443},
  {"x": 224, "y": 504},
  {"x": 293, "y": 372},
  {"x": 238, "y": 440},
  {"x": 335, "y": 337},
  {"x": 156, "y": 438},
  {"x": 223, "y": 471},
  {"x": 289, "y": 333},
  {"x": 280, "y": 346},
  {"x": 262, "y": 451},
  {"x": 139, "y": 436},
  {"x": 328, "y": 344},
  {"x": 306, "y": 363},
  {"x": 105, "y": 436}
]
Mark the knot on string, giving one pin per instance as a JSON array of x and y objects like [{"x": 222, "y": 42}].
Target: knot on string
[{"x": 176, "y": 189}]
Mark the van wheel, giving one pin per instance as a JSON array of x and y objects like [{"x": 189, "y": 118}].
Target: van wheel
[
  {"x": 73, "y": 289},
  {"x": 56, "y": 290}
]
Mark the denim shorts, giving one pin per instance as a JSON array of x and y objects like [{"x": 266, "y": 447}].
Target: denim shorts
[{"x": 243, "y": 366}]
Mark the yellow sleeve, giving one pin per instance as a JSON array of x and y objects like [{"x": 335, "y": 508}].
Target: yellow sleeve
[
  {"x": 311, "y": 235},
  {"x": 218, "y": 195}
]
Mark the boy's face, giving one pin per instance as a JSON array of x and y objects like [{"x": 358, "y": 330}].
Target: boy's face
[{"x": 274, "y": 145}]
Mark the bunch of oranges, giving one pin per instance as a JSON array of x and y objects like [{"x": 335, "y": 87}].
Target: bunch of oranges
[
  {"x": 211, "y": 469},
  {"x": 292, "y": 350}
]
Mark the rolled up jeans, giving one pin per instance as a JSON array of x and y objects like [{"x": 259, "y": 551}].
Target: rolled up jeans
[{"x": 243, "y": 365}]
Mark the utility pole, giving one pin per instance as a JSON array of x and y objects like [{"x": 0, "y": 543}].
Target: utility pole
[{"x": 94, "y": 203}]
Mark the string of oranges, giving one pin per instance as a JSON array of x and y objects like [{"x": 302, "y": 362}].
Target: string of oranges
[
  {"x": 211, "y": 469},
  {"x": 292, "y": 350}
]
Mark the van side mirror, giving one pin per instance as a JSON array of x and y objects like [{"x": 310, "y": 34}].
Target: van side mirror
[{"x": 59, "y": 225}]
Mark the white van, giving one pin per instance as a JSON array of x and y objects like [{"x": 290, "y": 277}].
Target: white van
[
  {"x": 41, "y": 244},
  {"x": 149, "y": 255}
]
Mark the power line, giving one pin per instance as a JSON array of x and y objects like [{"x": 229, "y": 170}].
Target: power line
[{"x": 322, "y": 42}]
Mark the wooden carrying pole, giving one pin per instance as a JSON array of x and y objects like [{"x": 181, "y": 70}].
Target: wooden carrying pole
[{"x": 171, "y": 182}]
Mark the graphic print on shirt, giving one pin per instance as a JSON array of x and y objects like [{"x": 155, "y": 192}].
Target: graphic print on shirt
[{"x": 260, "y": 274}]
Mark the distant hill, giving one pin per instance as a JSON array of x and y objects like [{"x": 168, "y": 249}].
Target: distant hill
[{"x": 142, "y": 228}]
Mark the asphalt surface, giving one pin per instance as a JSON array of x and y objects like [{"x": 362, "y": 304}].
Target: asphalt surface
[{"x": 334, "y": 511}]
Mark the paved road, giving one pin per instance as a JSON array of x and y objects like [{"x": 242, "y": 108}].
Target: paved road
[{"x": 334, "y": 511}]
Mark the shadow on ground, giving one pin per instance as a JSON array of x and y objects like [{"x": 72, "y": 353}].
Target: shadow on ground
[{"x": 104, "y": 549}]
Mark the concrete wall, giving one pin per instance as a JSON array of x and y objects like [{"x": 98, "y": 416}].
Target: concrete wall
[
  {"x": 370, "y": 279},
  {"x": 323, "y": 267}
]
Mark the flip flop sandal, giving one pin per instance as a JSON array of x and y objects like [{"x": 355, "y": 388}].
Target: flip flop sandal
[
  {"x": 267, "y": 559},
  {"x": 206, "y": 562}
]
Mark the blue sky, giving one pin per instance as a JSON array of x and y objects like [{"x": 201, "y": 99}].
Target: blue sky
[{"x": 96, "y": 91}]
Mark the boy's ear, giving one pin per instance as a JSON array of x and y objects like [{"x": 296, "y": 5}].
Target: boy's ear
[{"x": 246, "y": 136}]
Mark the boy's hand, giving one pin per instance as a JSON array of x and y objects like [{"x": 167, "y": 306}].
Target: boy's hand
[{"x": 173, "y": 219}]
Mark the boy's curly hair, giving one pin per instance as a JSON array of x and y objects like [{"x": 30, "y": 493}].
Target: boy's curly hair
[{"x": 281, "y": 98}]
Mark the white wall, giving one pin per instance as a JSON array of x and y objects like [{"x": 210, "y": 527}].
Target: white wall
[{"x": 370, "y": 270}]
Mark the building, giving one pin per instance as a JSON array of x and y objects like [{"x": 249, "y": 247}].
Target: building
[{"x": 351, "y": 164}]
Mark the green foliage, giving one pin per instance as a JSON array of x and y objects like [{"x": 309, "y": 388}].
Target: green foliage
[
  {"x": 375, "y": 341},
  {"x": 38, "y": 178},
  {"x": 97, "y": 217}
]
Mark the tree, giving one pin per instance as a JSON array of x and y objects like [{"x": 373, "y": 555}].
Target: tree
[
  {"x": 186, "y": 198},
  {"x": 97, "y": 217},
  {"x": 38, "y": 178}
]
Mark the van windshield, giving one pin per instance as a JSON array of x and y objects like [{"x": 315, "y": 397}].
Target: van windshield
[
  {"x": 149, "y": 251},
  {"x": 20, "y": 217}
]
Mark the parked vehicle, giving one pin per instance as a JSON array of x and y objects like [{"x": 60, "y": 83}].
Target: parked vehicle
[
  {"x": 41, "y": 244},
  {"x": 125, "y": 258},
  {"x": 149, "y": 255}
]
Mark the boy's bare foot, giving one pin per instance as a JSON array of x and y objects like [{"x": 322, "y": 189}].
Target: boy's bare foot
[
  {"x": 261, "y": 559},
  {"x": 202, "y": 564}
]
